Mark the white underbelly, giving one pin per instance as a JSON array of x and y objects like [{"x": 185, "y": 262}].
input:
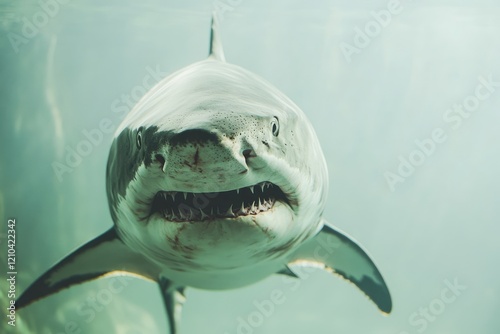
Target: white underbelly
[{"x": 224, "y": 279}]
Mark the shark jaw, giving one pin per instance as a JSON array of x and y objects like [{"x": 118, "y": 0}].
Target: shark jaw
[
  {"x": 162, "y": 218},
  {"x": 176, "y": 206}
]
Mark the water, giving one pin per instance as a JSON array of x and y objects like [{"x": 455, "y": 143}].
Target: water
[{"x": 437, "y": 228}]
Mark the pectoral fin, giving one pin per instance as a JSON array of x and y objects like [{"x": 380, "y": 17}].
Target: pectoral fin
[
  {"x": 336, "y": 251},
  {"x": 101, "y": 256}
]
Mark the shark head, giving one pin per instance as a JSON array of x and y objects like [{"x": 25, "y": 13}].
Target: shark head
[{"x": 215, "y": 169}]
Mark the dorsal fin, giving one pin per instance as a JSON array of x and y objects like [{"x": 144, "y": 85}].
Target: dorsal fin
[{"x": 216, "y": 52}]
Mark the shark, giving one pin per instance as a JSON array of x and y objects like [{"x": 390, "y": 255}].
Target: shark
[{"x": 215, "y": 180}]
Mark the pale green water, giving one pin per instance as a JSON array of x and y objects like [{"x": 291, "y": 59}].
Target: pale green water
[{"x": 442, "y": 224}]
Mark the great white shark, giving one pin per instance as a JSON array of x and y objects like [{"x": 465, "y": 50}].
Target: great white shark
[{"x": 215, "y": 180}]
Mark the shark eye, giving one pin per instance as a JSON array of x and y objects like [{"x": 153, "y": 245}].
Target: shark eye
[
  {"x": 138, "y": 139},
  {"x": 275, "y": 126}
]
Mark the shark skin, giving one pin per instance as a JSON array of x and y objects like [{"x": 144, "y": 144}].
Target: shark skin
[{"x": 215, "y": 180}]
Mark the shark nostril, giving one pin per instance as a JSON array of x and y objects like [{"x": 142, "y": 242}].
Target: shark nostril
[
  {"x": 248, "y": 153},
  {"x": 160, "y": 159}
]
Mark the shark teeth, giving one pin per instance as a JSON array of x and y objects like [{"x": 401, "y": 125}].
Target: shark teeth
[{"x": 191, "y": 207}]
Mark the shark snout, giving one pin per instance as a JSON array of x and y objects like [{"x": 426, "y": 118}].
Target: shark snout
[{"x": 201, "y": 157}]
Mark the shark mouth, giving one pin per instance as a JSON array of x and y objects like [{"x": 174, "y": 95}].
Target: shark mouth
[{"x": 180, "y": 206}]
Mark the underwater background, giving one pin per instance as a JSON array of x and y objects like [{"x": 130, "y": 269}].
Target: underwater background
[{"x": 404, "y": 96}]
